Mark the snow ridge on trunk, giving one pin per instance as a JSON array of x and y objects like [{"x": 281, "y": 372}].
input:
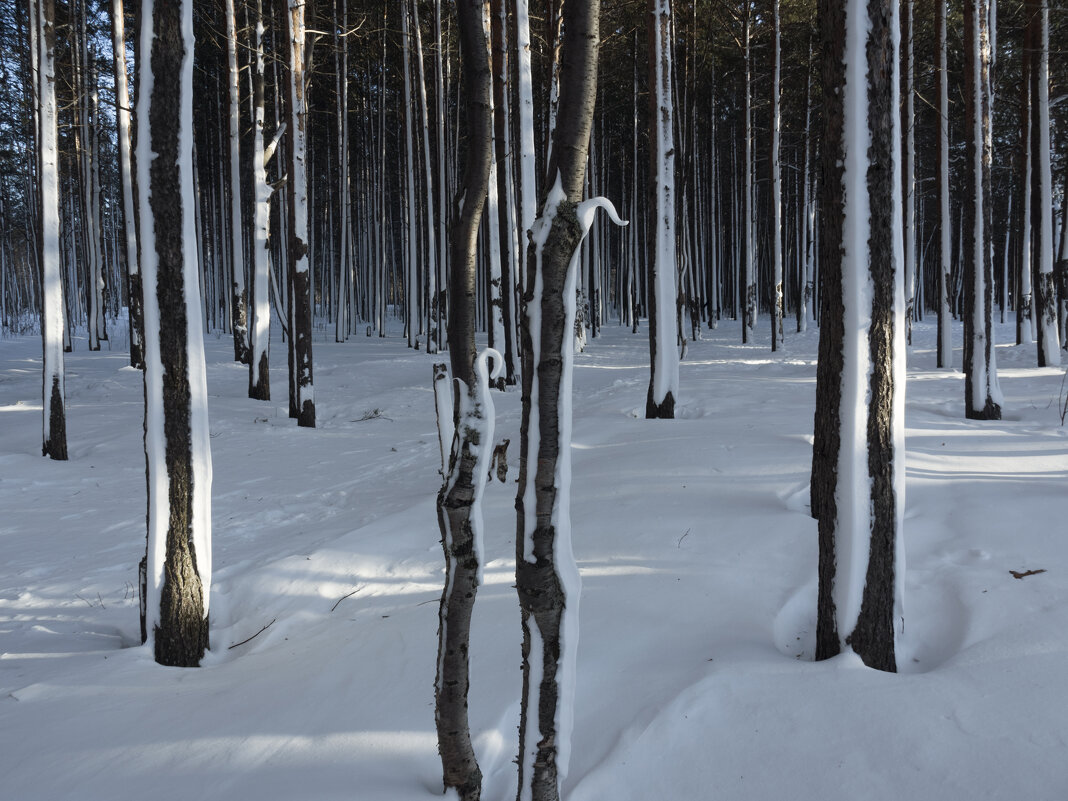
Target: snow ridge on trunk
[{"x": 560, "y": 515}]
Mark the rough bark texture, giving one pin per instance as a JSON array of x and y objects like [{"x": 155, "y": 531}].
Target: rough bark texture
[
  {"x": 827, "y": 426},
  {"x": 460, "y": 769},
  {"x": 873, "y": 637},
  {"x": 181, "y": 635},
  {"x": 538, "y": 583}
]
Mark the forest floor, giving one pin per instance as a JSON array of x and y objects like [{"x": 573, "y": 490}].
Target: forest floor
[{"x": 697, "y": 557}]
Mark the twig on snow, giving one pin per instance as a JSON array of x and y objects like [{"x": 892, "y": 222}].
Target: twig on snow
[{"x": 254, "y": 636}]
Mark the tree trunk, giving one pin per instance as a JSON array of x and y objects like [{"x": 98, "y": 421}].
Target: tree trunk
[
  {"x": 459, "y": 501},
  {"x": 858, "y": 458},
  {"x": 299, "y": 262},
  {"x": 776, "y": 188},
  {"x": 1045, "y": 288},
  {"x": 259, "y": 379},
  {"x": 982, "y": 396},
  {"x": 547, "y": 579},
  {"x": 128, "y": 217},
  {"x": 238, "y": 293},
  {"x": 663, "y": 320},
  {"x": 177, "y": 445},
  {"x": 54, "y": 438},
  {"x": 943, "y": 222}
]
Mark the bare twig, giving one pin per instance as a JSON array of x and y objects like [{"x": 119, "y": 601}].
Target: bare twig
[
  {"x": 1026, "y": 573},
  {"x": 254, "y": 636},
  {"x": 343, "y": 597}
]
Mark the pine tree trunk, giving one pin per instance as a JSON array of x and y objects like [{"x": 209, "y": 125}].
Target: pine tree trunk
[
  {"x": 54, "y": 438},
  {"x": 858, "y": 460},
  {"x": 177, "y": 449},
  {"x": 238, "y": 292},
  {"x": 663, "y": 320},
  {"x": 299, "y": 261},
  {"x": 943, "y": 222},
  {"x": 776, "y": 188},
  {"x": 259, "y": 378},
  {"x": 981, "y": 394},
  {"x": 1045, "y": 288}
]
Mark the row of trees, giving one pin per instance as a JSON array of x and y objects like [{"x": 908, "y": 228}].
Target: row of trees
[{"x": 205, "y": 229}]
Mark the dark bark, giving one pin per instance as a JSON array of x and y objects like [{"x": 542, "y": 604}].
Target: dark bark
[
  {"x": 181, "y": 635},
  {"x": 827, "y": 425},
  {"x": 504, "y": 197},
  {"x": 539, "y": 583},
  {"x": 455, "y": 501},
  {"x": 873, "y": 637}
]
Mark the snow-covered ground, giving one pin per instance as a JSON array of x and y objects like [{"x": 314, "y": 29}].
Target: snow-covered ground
[{"x": 697, "y": 557}]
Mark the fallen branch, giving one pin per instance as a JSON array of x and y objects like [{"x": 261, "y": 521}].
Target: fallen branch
[{"x": 254, "y": 636}]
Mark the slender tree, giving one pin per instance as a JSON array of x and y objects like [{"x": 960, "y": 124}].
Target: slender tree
[
  {"x": 1045, "y": 288},
  {"x": 52, "y": 305},
  {"x": 302, "y": 404},
  {"x": 982, "y": 395},
  {"x": 547, "y": 579},
  {"x": 858, "y": 457},
  {"x": 129, "y": 226},
  {"x": 776, "y": 184},
  {"x": 459, "y": 501},
  {"x": 238, "y": 292},
  {"x": 943, "y": 222},
  {"x": 177, "y": 444},
  {"x": 663, "y": 320}
]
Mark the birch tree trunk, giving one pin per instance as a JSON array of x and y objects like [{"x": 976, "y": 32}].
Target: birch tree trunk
[
  {"x": 663, "y": 320},
  {"x": 859, "y": 447},
  {"x": 177, "y": 444},
  {"x": 54, "y": 416}
]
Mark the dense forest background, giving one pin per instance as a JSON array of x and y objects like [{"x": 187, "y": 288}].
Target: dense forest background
[{"x": 358, "y": 49}]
